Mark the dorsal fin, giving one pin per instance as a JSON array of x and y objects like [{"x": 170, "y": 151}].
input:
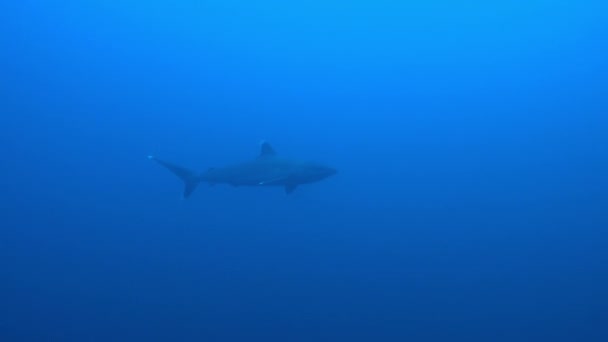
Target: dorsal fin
[{"x": 266, "y": 150}]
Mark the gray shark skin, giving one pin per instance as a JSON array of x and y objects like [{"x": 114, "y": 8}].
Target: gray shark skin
[{"x": 267, "y": 169}]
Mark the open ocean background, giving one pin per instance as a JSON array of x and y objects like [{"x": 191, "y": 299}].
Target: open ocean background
[{"x": 471, "y": 139}]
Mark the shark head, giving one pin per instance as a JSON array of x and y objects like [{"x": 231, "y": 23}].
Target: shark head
[
  {"x": 313, "y": 172},
  {"x": 297, "y": 172}
]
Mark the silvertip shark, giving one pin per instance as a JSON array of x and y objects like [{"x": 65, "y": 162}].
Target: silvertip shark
[{"x": 268, "y": 169}]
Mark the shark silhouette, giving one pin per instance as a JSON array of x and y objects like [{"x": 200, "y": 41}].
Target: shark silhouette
[{"x": 266, "y": 170}]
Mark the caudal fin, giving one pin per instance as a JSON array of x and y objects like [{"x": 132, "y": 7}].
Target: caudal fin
[{"x": 189, "y": 177}]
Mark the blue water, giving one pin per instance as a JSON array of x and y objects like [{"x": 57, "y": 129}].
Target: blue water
[{"x": 470, "y": 138}]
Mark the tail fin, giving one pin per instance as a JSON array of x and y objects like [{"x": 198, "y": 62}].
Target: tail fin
[{"x": 189, "y": 177}]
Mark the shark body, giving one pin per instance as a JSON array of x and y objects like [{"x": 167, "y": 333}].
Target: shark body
[{"x": 267, "y": 169}]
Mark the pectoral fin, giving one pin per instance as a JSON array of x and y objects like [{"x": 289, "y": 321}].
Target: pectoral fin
[{"x": 289, "y": 188}]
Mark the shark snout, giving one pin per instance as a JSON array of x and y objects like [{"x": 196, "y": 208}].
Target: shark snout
[
  {"x": 329, "y": 171},
  {"x": 317, "y": 172}
]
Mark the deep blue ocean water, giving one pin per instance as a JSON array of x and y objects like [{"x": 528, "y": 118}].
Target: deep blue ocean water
[{"x": 470, "y": 138}]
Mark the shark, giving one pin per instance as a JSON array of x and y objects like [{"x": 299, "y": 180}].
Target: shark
[{"x": 267, "y": 169}]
